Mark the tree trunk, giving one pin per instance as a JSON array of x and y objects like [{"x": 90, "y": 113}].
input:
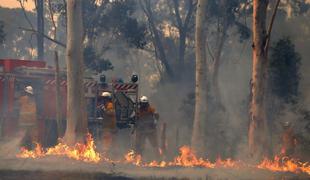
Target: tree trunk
[
  {"x": 76, "y": 109},
  {"x": 40, "y": 27},
  {"x": 258, "y": 129},
  {"x": 182, "y": 47},
  {"x": 197, "y": 140},
  {"x": 58, "y": 98}
]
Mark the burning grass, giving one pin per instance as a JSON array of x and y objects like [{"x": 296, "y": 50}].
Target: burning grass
[
  {"x": 187, "y": 158},
  {"x": 84, "y": 152}
]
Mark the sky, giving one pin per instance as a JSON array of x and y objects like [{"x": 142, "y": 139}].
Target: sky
[{"x": 29, "y": 5}]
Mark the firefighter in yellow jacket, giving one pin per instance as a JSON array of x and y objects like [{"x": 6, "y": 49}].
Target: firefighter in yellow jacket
[
  {"x": 28, "y": 125},
  {"x": 146, "y": 126},
  {"x": 109, "y": 122}
]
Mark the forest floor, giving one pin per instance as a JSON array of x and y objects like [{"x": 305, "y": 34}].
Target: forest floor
[{"x": 62, "y": 168}]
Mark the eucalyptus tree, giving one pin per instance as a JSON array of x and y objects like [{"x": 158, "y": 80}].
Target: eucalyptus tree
[{"x": 76, "y": 108}]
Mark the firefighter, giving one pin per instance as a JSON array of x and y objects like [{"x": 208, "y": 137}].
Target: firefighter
[
  {"x": 288, "y": 140},
  {"x": 146, "y": 126},
  {"x": 28, "y": 125},
  {"x": 109, "y": 121}
]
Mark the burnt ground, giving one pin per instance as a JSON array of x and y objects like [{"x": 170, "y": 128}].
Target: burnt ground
[
  {"x": 50, "y": 168},
  {"x": 61, "y": 168}
]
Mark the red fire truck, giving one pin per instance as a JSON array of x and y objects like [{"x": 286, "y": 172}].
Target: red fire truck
[{"x": 16, "y": 74}]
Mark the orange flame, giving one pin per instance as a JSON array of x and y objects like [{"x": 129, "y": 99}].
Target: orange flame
[
  {"x": 133, "y": 158},
  {"x": 37, "y": 152},
  {"x": 85, "y": 152},
  {"x": 284, "y": 164},
  {"x": 228, "y": 163},
  {"x": 187, "y": 158}
]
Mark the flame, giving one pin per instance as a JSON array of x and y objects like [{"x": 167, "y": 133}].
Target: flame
[
  {"x": 84, "y": 152},
  {"x": 37, "y": 152},
  {"x": 187, "y": 158},
  {"x": 228, "y": 163},
  {"x": 133, "y": 158},
  {"x": 157, "y": 164},
  {"x": 284, "y": 164}
]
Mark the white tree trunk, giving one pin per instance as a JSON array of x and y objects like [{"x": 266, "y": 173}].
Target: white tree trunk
[
  {"x": 201, "y": 83},
  {"x": 76, "y": 109}
]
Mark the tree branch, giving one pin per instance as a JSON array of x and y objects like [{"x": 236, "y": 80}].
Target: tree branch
[
  {"x": 52, "y": 18},
  {"x": 177, "y": 13},
  {"x": 25, "y": 14},
  {"x": 146, "y": 6},
  {"x": 44, "y": 35},
  {"x": 189, "y": 13},
  {"x": 209, "y": 50},
  {"x": 270, "y": 27}
]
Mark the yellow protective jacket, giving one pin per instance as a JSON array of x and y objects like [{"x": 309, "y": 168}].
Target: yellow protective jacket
[
  {"x": 146, "y": 119},
  {"x": 27, "y": 111},
  {"x": 109, "y": 119}
]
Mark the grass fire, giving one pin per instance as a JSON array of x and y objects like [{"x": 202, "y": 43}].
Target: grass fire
[
  {"x": 186, "y": 158},
  {"x": 154, "y": 89}
]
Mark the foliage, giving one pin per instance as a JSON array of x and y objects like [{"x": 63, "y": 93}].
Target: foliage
[
  {"x": 101, "y": 18},
  {"x": 284, "y": 70},
  {"x": 299, "y": 7},
  {"x": 243, "y": 30},
  {"x": 228, "y": 14},
  {"x": 94, "y": 61},
  {"x": 2, "y": 34},
  {"x": 110, "y": 16}
]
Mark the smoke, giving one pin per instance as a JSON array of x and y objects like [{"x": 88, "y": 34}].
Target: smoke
[
  {"x": 167, "y": 98},
  {"x": 10, "y": 147}
]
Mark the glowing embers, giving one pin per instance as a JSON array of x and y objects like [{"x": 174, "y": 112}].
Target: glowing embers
[{"x": 84, "y": 152}]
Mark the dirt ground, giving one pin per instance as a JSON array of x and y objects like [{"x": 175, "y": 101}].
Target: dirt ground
[{"x": 66, "y": 169}]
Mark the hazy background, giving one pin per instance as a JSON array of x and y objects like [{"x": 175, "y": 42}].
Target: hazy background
[{"x": 168, "y": 98}]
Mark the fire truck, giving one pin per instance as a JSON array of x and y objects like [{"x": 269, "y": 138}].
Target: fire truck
[{"x": 16, "y": 74}]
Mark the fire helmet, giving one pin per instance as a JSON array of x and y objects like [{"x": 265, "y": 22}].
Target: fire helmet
[
  {"x": 106, "y": 94},
  {"x": 144, "y": 99},
  {"x": 286, "y": 124},
  {"x": 29, "y": 89}
]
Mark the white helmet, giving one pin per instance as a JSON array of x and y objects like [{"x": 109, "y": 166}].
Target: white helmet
[
  {"x": 29, "y": 89},
  {"x": 106, "y": 94},
  {"x": 287, "y": 124},
  {"x": 144, "y": 99}
]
